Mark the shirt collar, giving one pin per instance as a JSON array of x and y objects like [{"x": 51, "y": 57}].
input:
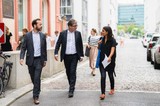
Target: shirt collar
[
  {"x": 70, "y": 32},
  {"x": 35, "y": 32}
]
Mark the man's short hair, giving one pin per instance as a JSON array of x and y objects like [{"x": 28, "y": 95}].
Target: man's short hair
[
  {"x": 71, "y": 22},
  {"x": 34, "y": 22}
]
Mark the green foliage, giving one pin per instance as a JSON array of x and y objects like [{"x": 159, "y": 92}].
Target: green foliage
[{"x": 131, "y": 29}]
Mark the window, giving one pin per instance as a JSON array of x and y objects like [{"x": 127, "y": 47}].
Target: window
[
  {"x": 8, "y": 9},
  {"x": 66, "y": 8},
  {"x": 149, "y": 35},
  {"x": 155, "y": 38},
  {"x": 20, "y": 15}
]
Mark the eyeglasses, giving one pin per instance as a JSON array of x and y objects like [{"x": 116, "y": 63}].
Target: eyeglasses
[{"x": 74, "y": 25}]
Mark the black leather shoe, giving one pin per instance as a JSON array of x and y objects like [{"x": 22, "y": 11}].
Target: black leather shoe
[{"x": 70, "y": 95}]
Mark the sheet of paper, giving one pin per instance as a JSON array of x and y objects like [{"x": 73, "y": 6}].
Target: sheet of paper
[{"x": 105, "y": 62}]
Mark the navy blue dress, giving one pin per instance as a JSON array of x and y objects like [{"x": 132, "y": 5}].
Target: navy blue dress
[{"x": 106, "y": 49}]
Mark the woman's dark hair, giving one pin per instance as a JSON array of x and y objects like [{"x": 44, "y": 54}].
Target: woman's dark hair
[{"x": 109, "y": 30}]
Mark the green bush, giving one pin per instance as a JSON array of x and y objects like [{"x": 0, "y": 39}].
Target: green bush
[{"x": 131, "y": 29}]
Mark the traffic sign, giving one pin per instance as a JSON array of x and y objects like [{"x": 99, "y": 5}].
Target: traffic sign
[{"x": 2, "y": 33}]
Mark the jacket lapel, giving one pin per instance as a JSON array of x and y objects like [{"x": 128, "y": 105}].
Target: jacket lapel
[
  {"x": 31, "y": 38},
  {"x": 40, "y": 39},
  {"x": 65, "y": 37},
  {"x": 76, "y": 36}
]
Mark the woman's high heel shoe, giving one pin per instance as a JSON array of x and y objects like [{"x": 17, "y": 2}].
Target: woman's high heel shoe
[
  {"x": 102, "y": 96},
  {"x": 93, "y": 72},
  {"x": 111, "y": 92}
]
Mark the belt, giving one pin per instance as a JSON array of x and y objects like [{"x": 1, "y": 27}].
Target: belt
[
  {"x": 71, "y": 54},
  {"x": 37, "y": 57}
]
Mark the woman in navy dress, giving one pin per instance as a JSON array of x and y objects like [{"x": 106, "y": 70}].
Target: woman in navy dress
[{"x": 108, "y": 48}]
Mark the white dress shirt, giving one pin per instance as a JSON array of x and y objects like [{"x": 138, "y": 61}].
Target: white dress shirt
[
  {"x": 71, "y": 45},
  {"x": 36, "y": 44}
]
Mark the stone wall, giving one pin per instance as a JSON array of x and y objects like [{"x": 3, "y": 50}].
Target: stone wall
[{"x": 20, "y": 75}]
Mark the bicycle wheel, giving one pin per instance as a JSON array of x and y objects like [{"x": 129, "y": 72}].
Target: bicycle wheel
[
  {"x": 7, "y": 73},
  {"x": 1, "y": 86},
  {"x": 6, "y": 76}
]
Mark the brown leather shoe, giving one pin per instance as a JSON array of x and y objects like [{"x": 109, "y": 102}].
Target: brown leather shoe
[
  {"x": 36, "y": 101},
  {"x": 102, "y": 96}
]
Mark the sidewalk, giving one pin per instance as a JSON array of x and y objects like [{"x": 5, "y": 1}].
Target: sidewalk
[
  {"x": 54, "y": 93},
  {"x": 12, "y": 95},
  {"x": 91, "y": 98}
]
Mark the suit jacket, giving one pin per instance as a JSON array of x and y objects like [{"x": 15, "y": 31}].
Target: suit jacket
[
  {"x": 28, "y": 46},
  {"x": 62, "y": 41}
]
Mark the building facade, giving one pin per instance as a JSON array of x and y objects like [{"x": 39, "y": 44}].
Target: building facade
[
  {"x": 131, "y": 14},
  {"x": 92, "y": 14},
  {"x": 18, "y": 14},
  {"x": 77, "y": 9},
  {"x": 157, "y": 16},
  {"x": 108, "y": 14},
  {"x": 150, "y": 15},
  {"x": 152, "y": 18}
]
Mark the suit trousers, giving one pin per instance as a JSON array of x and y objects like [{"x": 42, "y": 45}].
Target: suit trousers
[
  {"x": 70, "y": 62},
  {"x": 35, "y": 74}
]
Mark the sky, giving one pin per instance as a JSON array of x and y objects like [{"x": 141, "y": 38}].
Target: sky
[{"x": 130, "y": 1}]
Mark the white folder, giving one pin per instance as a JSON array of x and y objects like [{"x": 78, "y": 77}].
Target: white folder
[{"x": 105, "y": 62}]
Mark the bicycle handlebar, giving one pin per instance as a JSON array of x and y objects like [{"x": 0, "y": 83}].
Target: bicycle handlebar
[{"x": 5, "y": 56}]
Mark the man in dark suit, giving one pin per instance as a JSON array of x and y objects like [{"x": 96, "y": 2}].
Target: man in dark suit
[
  {"x": 36, "y": 56},
  {"x": 71, "y": 44}
]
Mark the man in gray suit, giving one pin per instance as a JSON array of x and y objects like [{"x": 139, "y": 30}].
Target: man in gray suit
[
  {"x": 71, "y": 44},
  {"x": 36, "y": 56}
]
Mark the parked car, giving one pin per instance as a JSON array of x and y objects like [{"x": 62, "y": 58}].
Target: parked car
[
  {"x": 155, "y": 55},
  {"x": 151, "y": 44},
  {"x": 146, "y": 39}
]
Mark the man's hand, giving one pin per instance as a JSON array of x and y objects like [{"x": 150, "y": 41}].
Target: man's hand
[
  {"x": 56, "y": 57},
  {"x": 44, "y": 64},
  {"x": 21, "y": 61},
  {"x": 81, "y": 59}
]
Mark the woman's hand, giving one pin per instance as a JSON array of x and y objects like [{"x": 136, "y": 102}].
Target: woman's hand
[
  {"x": 100, "y": 41},
  {"x": 109, "y": 59}
]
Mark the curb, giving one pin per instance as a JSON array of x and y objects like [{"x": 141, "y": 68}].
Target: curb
[{"x": 15, "y": 95}]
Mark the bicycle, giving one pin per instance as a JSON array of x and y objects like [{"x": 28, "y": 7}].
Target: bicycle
[{"x": 5, "y": 72}]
